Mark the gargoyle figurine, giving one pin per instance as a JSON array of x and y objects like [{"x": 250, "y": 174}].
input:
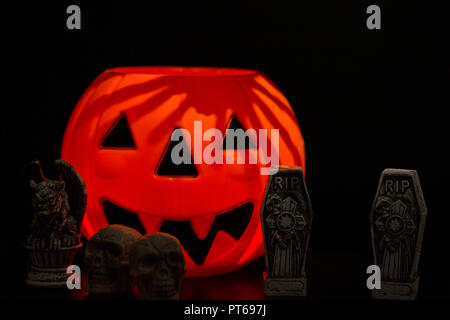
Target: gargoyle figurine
[
  {"x": 58, "y": 207},
  {"x": 57, "y": 217}
]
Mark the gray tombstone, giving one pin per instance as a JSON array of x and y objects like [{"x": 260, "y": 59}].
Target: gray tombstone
[
  {"x": 286, "y": 216},
  {"x": 397, "y": 222}
]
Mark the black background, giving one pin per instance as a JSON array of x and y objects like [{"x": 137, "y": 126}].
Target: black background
[{"x": 365, "y": 100}]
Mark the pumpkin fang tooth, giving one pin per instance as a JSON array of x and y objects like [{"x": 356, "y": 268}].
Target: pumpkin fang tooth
[
  {"x": 151, "y": 223},
  {"x": 202, "y": 225}
]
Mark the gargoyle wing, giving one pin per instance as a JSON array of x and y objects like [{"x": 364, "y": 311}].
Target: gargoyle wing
[{"x": 75, "y": 188}]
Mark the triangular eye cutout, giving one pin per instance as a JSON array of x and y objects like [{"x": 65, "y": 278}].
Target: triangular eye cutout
[
  {"x": 168, "y": 168},
  {"x": 119, "y": 136},
  {"x": 235, "y": 124}
]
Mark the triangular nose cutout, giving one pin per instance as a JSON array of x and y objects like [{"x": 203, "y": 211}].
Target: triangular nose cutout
[
  {"x": 168, "y": 168},
  {"x": 119, "y": 136},
  {"x": 229, "y": 136}
]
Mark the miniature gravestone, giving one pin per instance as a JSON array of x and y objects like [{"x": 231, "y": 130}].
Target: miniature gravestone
[
  {"x": 286, "y": 216},
  {"x": 397, "y": 222},
  {"x": 58, "y": 208},
  {"x": 106, "y": 260},
  {"x": 157, "y": 264}
]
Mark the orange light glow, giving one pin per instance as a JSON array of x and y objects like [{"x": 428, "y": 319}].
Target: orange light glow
[{"x": 155, "y": 101}]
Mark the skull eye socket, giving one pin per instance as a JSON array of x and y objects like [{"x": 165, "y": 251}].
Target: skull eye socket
[
  {"x": 119, "y": 135},
  {"x": 175, "y": 259},
  {"x": 149, "y": 261},
  {"x": 112, "y": 250}
]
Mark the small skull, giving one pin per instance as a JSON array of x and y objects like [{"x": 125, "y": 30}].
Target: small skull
[
  {"x": 106, "y": 260},
  {"x": 157, "y": 263}
]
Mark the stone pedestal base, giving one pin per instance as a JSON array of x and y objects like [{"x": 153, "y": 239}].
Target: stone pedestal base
[
  {"x": 284, "y": 287},
  {"x": 397, "y": 290},
  {"x": 49, "y": 267},
  {"x": 47, "y": 277}
]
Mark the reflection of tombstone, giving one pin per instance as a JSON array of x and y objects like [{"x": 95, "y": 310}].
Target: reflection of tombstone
[
  {"x": 397, "y": 221},
  {"x": 286, "y": 216}
]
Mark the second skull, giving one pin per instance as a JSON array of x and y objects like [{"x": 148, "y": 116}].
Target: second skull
[{"x": 157, "y": 264}]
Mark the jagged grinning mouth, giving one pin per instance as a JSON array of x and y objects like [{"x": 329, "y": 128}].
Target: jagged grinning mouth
[{"x": 233, "y": 222}]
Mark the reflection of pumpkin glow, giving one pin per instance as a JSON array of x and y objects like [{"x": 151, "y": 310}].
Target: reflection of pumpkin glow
[{"x": 155, "y": 101}]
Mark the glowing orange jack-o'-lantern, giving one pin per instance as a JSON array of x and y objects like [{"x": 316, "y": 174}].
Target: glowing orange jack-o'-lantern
[{"x": 119, "y": 140}]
